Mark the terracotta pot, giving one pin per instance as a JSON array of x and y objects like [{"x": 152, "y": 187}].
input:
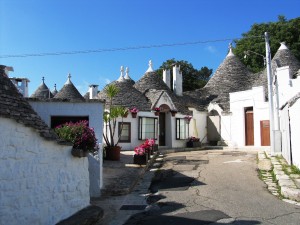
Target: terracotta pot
[
  {"x": 173, "y": 113},
  {"x": 156, "y": 113},
  {"x": 133, "y": 115},
  {"x": 79, "y": 152},
  {"x": 112, "y": 153}
]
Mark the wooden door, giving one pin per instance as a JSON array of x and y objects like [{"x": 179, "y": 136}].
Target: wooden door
[
  {"x": 265, "y": 132},
  {"x": 249, "y": 127}
]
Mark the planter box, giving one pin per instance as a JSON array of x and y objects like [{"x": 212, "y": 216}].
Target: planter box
[
  {"x": 191, "y": 144},
  {"x": 140, "y": 159}
]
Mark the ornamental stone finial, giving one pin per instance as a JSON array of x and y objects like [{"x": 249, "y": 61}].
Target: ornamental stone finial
[
  {"x": 150, "y": 68},
  {"x": 43, "y": 79},
  {"x": 127, "y": 77},
  {"x": 121, "y": 78},
  {"x": 230, "y": 53}
]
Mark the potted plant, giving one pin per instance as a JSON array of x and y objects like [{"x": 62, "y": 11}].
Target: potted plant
[
  {"x": 111, "y": 138},
  {"x": 134, "y": 112},
  {"x": 156, "y": 111},
  {"x": 143, "y": 152},
  {"x": 173, "y": 112},
  {"x": 80, "y": 134}
]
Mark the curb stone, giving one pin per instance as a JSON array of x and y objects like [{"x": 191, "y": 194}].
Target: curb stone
[{"x": 284, "y": 185}]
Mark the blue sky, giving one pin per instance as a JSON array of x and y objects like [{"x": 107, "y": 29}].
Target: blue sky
[{"x": 34, "y": 26}]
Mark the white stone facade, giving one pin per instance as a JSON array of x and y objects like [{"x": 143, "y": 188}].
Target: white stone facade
[
  {"x": 94, "y": 110},
  {"x": 41, "y": 182}
]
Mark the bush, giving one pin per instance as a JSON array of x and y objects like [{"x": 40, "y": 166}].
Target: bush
[{"x": 82, "y": 136}]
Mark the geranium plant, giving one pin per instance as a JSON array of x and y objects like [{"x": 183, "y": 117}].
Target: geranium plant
[
  {"x": 157, "y": 109},
  {"x": 134, "y": 110},
  {"x": 80, "y": 134}
]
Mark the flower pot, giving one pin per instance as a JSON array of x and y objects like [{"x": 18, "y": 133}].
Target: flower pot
[
  {"x": 79, "y": 152},
  {"x": 140, "y": 159},
  {"x": 112, "y": 153},
  {"x": 173, "y": 113},
  {"x": 133, "y": 115},
  {"x": 156, "y": 113}
]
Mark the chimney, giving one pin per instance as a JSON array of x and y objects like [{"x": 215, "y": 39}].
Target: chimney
[
  {"x": 177, "y": 80},
  {"x": 167, "y": 78},
  {"x": 93, "y": 90},
  {"x": 21, "y": 84}
]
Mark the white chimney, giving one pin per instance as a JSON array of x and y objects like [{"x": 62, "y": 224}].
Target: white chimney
[
  {"x": 177, "y": 80},
  {"x": 167, "y": 77},
  {"x": 21, "y": 84},
  {"x": 93, "y": 90}
]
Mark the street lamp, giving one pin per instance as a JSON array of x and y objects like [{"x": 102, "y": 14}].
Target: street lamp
[{"x": 248, "y": 53}]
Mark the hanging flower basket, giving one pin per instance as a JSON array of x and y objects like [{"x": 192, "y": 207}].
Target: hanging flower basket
[
  {"x": 156, "y": 113},
  {"x": 173, "y": 112},
  {"x": 133, "y": 115}
]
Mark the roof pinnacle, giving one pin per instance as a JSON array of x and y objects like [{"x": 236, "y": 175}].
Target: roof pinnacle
[
  {"x": 127, "y": 77},
  {"x": 121, "y": 78},
  {"x": 150, "y": 68},
  {"x": 230, "y": 53}
]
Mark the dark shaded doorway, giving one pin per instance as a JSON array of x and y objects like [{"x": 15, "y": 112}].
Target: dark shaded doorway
[{"x": 162, "y": 129}]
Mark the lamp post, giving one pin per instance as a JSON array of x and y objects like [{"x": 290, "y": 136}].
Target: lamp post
[{"x": 270, "y": 94}]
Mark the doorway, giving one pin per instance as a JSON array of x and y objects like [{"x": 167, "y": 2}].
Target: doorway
[
  {"x": 162, "y": 129},
  {"x": 265, "y": 132},
  {"x": 249, "y": 126}
]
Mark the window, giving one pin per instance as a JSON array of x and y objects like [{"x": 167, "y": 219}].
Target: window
[
  {"x": 147, "y": 128},
  {"x": 126, "y": 132},
  {"x": 181, "y": 129},
  {"x": 58, "y": 120}
]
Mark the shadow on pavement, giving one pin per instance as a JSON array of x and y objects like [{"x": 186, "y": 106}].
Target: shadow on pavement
[
  {"x": 170, "y": 180},
  {"x": 189, "y": 218}
]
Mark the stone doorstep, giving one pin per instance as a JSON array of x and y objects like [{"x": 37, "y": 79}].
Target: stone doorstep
[
  {"x": 265, "y": 165},
  {"x": 286, "y": 183}
]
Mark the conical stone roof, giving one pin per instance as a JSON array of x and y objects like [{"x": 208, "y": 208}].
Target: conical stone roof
[
  {"x": 69, "y": 91},
  {"x": 283, "y": 57},
  {"x": 54, "y": 92},
  {"x": 128, "y": 96},
  {"x": 42, "y": 92},
  {"x": 231, "y": 76},
  {"x": 150, "y": 80},
  {"x": 15, "y": 107}
]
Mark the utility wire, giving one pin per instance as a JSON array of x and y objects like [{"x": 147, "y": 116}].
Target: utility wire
[{"x": 119, "y": 49}]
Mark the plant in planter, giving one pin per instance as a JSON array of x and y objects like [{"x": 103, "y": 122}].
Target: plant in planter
[
  {"x": 156, "y": 111},
  {"x": 80, "y": 134},
  {"x": 173, "y": 112},
  {"x": 143, "y": 152},
  {"x": 134, "y": 112},
  {"x": 111, "y": 138}
]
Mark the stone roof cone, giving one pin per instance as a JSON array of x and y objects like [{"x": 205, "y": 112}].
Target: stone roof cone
[
  {"x": 14, "y": 106},
  {"x": 69, "y": 91},
  {"x": 42, "y": 92}
]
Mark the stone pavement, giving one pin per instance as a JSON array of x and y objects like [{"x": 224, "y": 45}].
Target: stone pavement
[
  {"x": 279, "y": 183},
  {"x": 119, "y": 178}
]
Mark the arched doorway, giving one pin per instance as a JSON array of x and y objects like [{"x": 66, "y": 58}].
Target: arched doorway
[
  {"x": 213, "y": 127},
  {"x": 164, "y": 109}
]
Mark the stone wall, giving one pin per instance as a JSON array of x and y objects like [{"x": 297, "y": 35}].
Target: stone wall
[{"x": 40, "y": 181}]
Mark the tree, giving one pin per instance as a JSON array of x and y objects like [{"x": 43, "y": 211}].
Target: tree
[
  {"x": 283, "y": 30},
  {"x": 192, "y": 78}
]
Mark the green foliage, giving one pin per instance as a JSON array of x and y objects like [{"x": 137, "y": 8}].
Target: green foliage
[
  {"x": 82, "y": 136},
  {"x": 283, "y": 30},
  {"x": 192, "y": 78},
  {"x": 110, "y": 116}
]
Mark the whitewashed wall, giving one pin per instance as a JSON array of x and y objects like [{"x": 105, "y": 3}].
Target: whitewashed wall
[
  {"x": 41, "y": 182},
  {"x": 233, "y": 127},
  {"x": 171, "y": 142},
  {"x": 94, "y": 110},
  {"x": 295, "y": 132}
]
